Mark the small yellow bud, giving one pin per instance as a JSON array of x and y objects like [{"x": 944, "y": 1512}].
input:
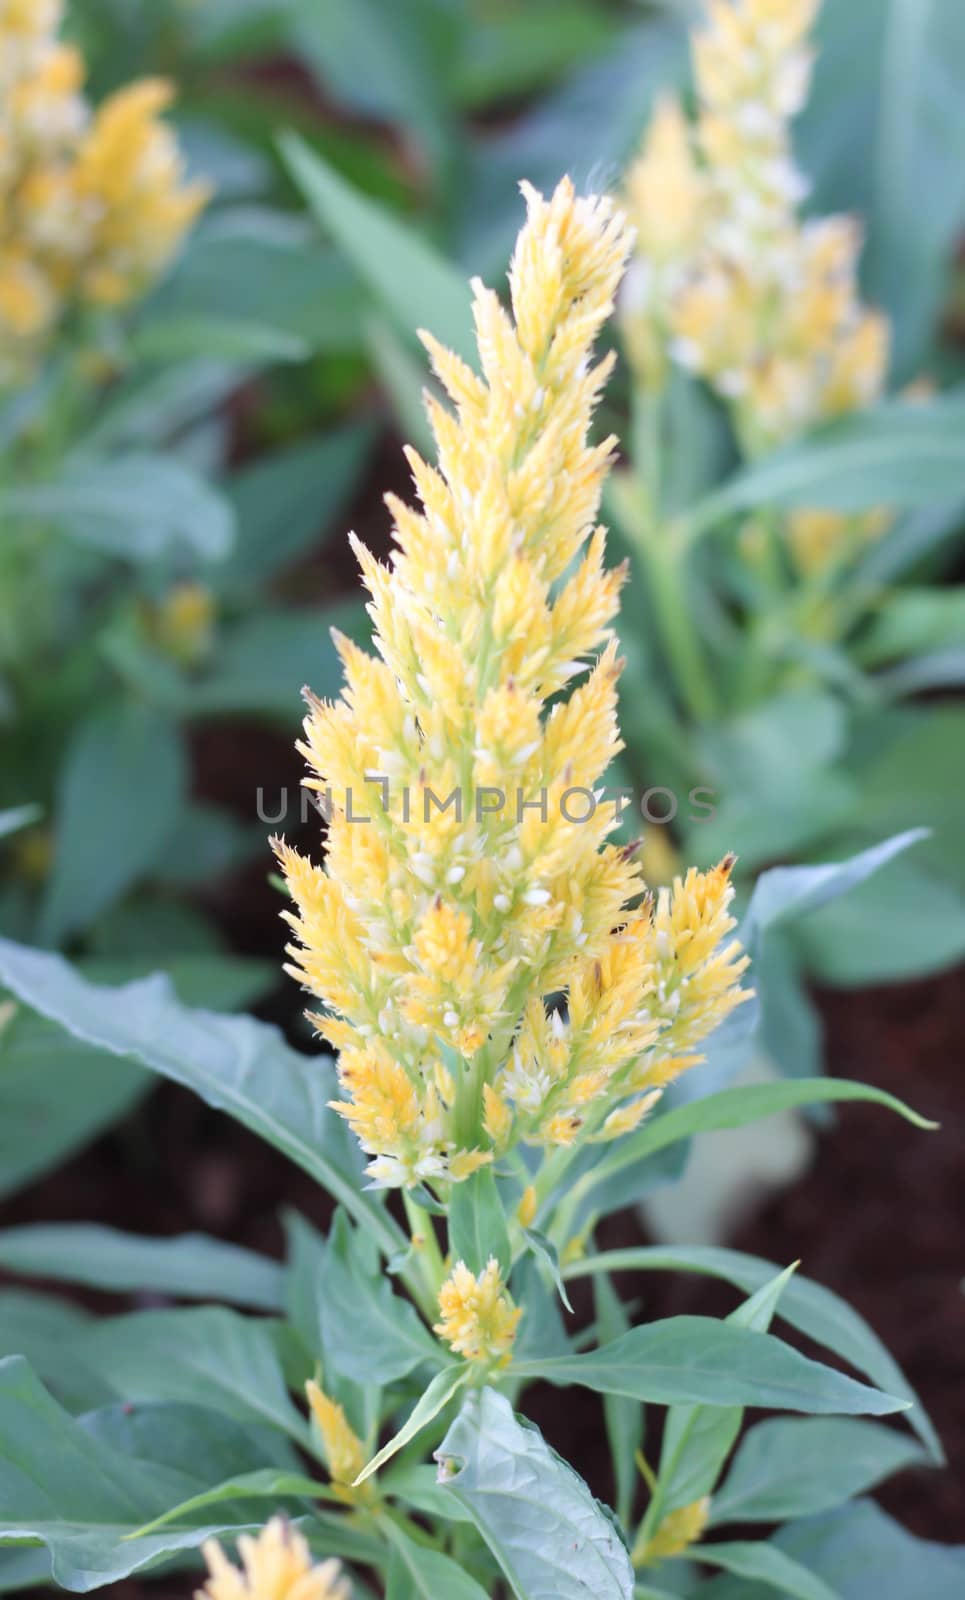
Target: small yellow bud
[
  {"x": 527, "y": 1207},
  {"x": 676, "y": 1533},
  {"x": 479, "y": 1319},
  {"x": 344, "y": 1451}
]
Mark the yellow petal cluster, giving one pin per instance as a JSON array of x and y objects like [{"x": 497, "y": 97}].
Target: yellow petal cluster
[
  {"x": 469, "y": 934},
  {"x": 764, "y": 306},
  {"x": 92, "y": 203},
  {"x": 275, "y": 1566},
  {"x": 478, "y": 1318}
]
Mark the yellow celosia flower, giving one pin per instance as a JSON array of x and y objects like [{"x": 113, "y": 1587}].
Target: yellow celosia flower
[
  {"x": 479, "y": 1319},
  {"x": 91, "y": 208},
  {"x": 676, "y": 1533},
  {"x": 130, "y": 170},
  {"x": 183, "y": 622},
  {"x": 344, "y": 1450},
  {"x": 666, "y": 192},
  {"x": 275, "y": 1566},
  {"x": 479, "y": 882},
  {"x": 764, "y": 307}
]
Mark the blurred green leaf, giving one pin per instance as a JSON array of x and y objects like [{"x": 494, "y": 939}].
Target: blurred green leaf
[
  {"x": 185, "y": 338},
  {"x": 754, "y": 1559},
  {"x": 121, "y": 785},
  {"x": 137, "y": 507},
  {"x": 512, "y": 51},
  {"x": 192, "y": 1267},
  {"x": 285, "y": 501},
  {"x": 906, "y": 923},
  {"x": 554, "y": 1538},
  {"x": 860, "y": 1551},
  {"x": 913, "y": 622},
  {"x": 266, "y": 660},
  {"x": 418, "y": 287},
  {"x": 899, "y": 454},
  {"x": 796, "y": 1468},
  {"x": 149, "y": 407}
]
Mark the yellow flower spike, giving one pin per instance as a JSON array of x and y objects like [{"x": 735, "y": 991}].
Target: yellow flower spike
[
  {"x": 478, "y": 1318},
  {"x": 275, "y": 1566},
  {"x": 345, "y": 1454},
  {"x": 676, "y": 1533},
  {"x": 764, "y": 307},
  {"x": 481, "y": 884}
]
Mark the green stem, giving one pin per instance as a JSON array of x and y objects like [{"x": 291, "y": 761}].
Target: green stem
[{"x": 427, "y": 1258}]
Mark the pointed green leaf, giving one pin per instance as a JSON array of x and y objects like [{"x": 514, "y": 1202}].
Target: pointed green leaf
[
  {"x": 418, "y": 287},
  {"x": 765, "y": 1563},
  {"x": 440, "y": 1391},
  {"x": 700, "y": 1361},
  {"x": 370, "y": 1333},
  {"x": 806, "y": 1305},
  {"x": 477, "y": 1223},
  {"x": 417, "y": 1573}
]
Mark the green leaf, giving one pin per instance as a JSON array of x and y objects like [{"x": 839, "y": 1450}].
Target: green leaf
[
  {"x": 56, "y": 1094},
  {"x": 121, "y": 785},
  {"x": 290, "y": 283},
  {"x": 907, "y": 923},
  {"x": 284, "y": 501},
  {"x": 797, "y": 1468},
  {"x": 193, "y": 1267},
  {"x": 477, "y": 1223},
  {"x": 920, "y": 122},
  {"x": 403, "y": 377},
  {"x": 139, "y": 507},
  {"x": 369, "y": 1333},
  {"x": 417, "y": 1573},
  {"x": 418, "y": 288},
  {"x": 861, "y": 1552},
  {"x": 19, "y": 817},
  {"x": 438, "y": 1394},
  {"x": 912, "y": 622},
  {"x": 769, "y": 1565},
  {"x": 79, "y": 1488},
  {"x": 536, "y": 1514},
  {"x": 807, "y": 1306},
  {"x": 202, "y": 1355},
  {"x": 41, "y": 1328},
  {"x": 545, "y": 1250},
  {"x": 236, "y": 1064},
  {"x": 266, "y": 1482},
  {"x": 789, "y": 893},
  {"x": 700, "y": 1361},
  {"x": 264, "y": 661},
  {"x": 735, "y": 1108},
  {"x": 185, "y": 338},
  {"x": 899, "y": 454},
  {"x": 698, "y": 1439}
]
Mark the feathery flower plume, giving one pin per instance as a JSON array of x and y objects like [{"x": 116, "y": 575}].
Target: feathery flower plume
[
  {"x": 478, "y": 1318},
  {"x": 441, "y": 934},
  {"x": 764, "y": 306},
  {"x": 275, "y": 1566},
  {"x": 92, "y": 204}
]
